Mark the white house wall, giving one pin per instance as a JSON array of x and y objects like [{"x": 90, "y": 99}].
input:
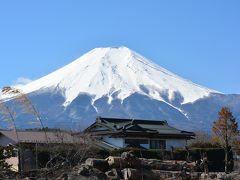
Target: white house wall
[
  {"x": 176, "y": 143},
  {"x": 147, "y": 146},
  {"x": 118, "y": 142}
]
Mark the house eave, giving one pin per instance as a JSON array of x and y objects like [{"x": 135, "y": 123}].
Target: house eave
[{"x": 121, "y": 134}]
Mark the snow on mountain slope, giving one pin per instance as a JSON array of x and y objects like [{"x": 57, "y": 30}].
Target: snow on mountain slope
[{"x": 117, "y": 72}]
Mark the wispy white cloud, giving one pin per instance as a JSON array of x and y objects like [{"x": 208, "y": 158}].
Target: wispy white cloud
[{"x": 22, "y": 81}]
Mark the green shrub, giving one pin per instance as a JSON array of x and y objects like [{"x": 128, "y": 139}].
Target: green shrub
[
  {"x": 203, "y": 145},
  {"x": 215, "y": 156},
  {"x": 142, "y": 153}
]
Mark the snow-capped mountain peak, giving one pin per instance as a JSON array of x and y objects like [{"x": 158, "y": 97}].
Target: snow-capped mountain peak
[{"x": 117, "y": 73}]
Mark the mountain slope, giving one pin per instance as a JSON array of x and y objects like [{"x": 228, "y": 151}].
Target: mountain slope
[
  {"x": 105, "y": 71},
  {"x": 115, "y": 82}
]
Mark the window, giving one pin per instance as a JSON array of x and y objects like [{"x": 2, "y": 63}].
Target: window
[{"x": 157, "y": 144}]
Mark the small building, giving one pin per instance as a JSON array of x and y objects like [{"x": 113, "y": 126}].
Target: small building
[
  {"x": 34, "y": 137},
  {"x": 113, "y": 133},
  {"x": 29, "y": 143}
]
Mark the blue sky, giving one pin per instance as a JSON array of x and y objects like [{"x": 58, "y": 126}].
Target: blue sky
[{"x": 198, "y": 40}]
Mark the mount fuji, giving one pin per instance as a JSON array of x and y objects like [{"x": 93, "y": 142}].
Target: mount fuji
[{"x": 118, "y": 82}]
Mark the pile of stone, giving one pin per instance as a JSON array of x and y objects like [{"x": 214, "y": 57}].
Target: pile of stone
[{"x": 129, "y": 167}]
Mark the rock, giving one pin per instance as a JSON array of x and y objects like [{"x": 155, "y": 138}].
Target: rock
[
  {"x": 204, "y": 176},
  {"x": 112, "y": 174},
  {"x": 131, "y": 159},
  {"x": 165, "y": 165},
  {"x": 128, "y": 155},
  {"x": 213, "y": 176},
  {"x": 100, "y": 164},
  {"x": 95, "y": 173},
  {"x": 221, "y": 176},
  {"x": 84, "y": 170},
  {"x": 120, "y": 163},
  {"x": 116, "y": 162}
]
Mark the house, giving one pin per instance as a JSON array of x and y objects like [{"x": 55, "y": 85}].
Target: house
[
  {"x": 29, "y": 144},
  {"x": 113, "y": 133}
]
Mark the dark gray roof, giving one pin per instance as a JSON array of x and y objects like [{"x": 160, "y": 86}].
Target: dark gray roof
[
  {"x": 134, "y": 126},
  {"x": 39, "y": 136}
]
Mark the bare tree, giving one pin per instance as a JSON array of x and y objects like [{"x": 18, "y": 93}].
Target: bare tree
[
  {"x": 69, "y": 150},
  {"x": 225, "y": 129},
  {"x": 9, "y": 115},
  {"x": 25, "y": 103},
  {"x": 202, "y": 139}
]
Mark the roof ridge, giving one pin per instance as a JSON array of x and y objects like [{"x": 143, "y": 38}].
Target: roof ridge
[{"x": 140, "y": 121}]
